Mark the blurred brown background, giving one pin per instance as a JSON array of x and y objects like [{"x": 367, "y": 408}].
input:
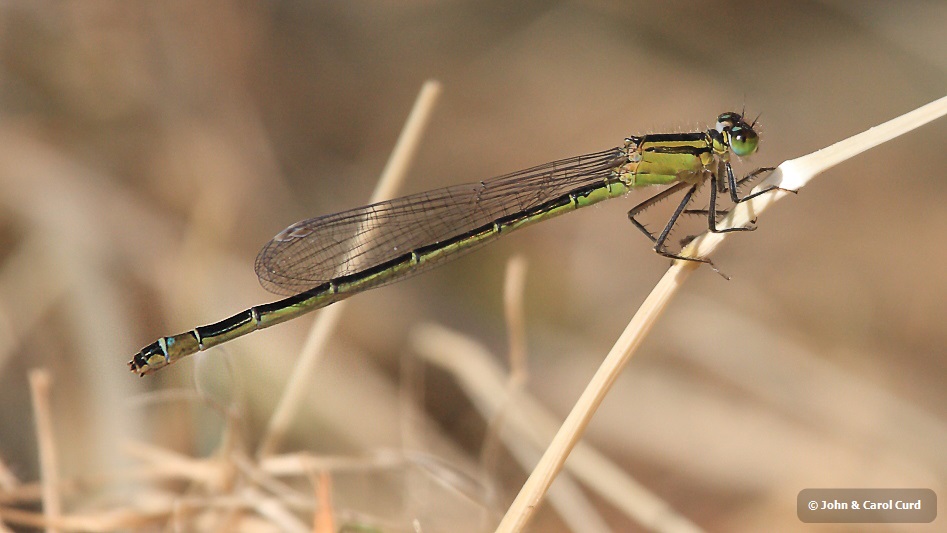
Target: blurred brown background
[{"x": 148, "y": 150}]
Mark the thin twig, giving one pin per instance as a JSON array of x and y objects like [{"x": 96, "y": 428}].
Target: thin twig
[
  {"x": 792, "y": 174},
  {"x": 391, "y": 178},
  {"x": 48, "y": 460},
  {"x": 207, "y": 472},
  {"x": 513, "y": 287},
  {"x": 324, "y": 517}
]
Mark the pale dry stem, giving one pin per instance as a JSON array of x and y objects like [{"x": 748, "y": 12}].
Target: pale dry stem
[
  {"x": 48, "y": 459},
  {"x": 513, "y": 288}
]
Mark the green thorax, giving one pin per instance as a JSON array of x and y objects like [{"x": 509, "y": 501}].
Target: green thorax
[{"x": 662, "y": 158}]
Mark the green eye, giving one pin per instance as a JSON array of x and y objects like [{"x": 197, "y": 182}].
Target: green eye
[{"x": 743, "y": 141}]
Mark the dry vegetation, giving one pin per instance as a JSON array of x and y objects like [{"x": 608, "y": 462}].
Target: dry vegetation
[{"x": 147, "y": 150}]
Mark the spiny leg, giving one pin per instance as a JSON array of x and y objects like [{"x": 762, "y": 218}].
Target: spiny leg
[
  {"x": 734, "y": 184},
  {"x": 659, "y": 240},
  {"x": 749, "y": 177},
  {"x": 659, "y": 246},
  {"x": 712, "y": 212},
  {"x": 650, "y": 202}
]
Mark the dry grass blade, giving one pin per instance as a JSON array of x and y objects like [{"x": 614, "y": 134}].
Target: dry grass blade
[
  {"x": 792, "y": 174},
  {"x": 48, "y": 460}
]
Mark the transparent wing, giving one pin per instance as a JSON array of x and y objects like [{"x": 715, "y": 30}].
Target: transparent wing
[{"x": 314, "y": 251}]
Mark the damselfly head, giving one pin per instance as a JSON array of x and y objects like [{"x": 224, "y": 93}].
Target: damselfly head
[
  {"x": 728, "y": 120},
  {"x": 737, "y": 134}
]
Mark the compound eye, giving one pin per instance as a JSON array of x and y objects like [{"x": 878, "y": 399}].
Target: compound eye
[
  {"x": 727, "y": 120},
  {"x": 743, "y": 141}
]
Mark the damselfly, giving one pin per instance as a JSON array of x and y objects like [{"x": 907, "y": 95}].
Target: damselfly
[{"x": 329, "y": 258}]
